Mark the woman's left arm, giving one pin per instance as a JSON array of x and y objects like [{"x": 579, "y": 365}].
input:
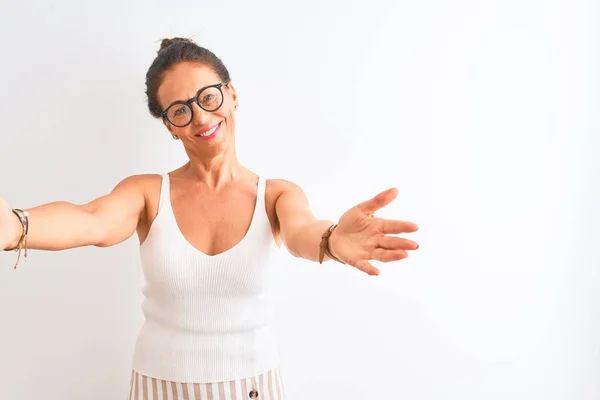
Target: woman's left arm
[{"x": 358, "y": 238}]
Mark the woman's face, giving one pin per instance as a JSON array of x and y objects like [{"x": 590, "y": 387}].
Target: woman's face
[{"x": 208, "y": 133}]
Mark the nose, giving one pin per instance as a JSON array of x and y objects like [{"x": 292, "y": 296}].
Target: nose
[{"x": 201, "y": 116}]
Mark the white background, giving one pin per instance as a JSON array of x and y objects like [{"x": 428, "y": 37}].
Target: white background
[{"x": 482, "y": 113}]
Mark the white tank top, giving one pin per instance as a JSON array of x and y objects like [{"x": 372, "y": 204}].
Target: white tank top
[{"x": 207, "y": 318}]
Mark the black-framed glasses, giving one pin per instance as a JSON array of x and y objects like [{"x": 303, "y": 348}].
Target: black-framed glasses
[{"x": 181, "y": 113}]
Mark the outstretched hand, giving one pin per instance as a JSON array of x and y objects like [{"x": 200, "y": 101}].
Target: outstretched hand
[{"x": 361, "y": 237}]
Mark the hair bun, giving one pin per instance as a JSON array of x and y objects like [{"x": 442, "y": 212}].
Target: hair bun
[{"x": 167, "y": 42}]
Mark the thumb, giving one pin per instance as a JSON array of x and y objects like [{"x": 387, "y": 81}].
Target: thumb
[{"x": 378, "y": 202}]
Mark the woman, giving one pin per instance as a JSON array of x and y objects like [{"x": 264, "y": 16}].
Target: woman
[{"x": 208, "y": 235}]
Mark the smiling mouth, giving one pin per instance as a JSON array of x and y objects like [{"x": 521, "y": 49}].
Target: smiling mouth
[{"x": 209, "y": 134}]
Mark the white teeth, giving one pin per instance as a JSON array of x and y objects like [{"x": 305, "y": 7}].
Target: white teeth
[{"x": 210, "y": 132}]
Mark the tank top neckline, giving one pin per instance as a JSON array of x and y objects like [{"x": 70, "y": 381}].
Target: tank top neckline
[{"x": 166, "y": 207}]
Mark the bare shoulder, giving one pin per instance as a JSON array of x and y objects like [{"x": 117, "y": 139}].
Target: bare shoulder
[
  {"x": 277, "y": 187},
  {"x": 281, "y": 191},
  {"x": 145, "y": 187},
  {"x": 130, "y": 190},
  {"x": 140, "y": 181},
  {"x": 141, "y": 184},
  {"x": 148, "y": 185}
]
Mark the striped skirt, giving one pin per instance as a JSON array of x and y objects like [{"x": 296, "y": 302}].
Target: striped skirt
[{"x": 267, "y": 386}]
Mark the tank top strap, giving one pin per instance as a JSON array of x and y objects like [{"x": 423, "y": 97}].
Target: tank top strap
[
  {"x": 260, "y": 218},
  {"x": 165, "y": 192},
  {"x": 260, "y": 193}
]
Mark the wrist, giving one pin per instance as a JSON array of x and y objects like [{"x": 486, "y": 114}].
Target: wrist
[
  {"x": 17, "y": 227},
  {"x": 325, "y": 247},
  {"x": 332, "y": 243}
]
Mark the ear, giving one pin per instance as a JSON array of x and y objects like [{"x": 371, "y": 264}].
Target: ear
[{"x": 233, "y": 93}]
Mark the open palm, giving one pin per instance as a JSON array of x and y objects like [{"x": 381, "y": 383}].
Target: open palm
[{"x": 361, "y": 237}]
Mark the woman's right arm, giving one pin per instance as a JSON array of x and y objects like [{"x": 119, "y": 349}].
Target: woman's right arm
[{"x": 106, "y": 221}]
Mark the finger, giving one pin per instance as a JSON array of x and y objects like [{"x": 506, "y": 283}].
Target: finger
[
  {"x": 384, "y": 255},
  {"x": 394, "y": 243},
  {"x": 367, "y": 267},
  {"x": 381, "y": 200},
  {"x": 394, "y": 227}
]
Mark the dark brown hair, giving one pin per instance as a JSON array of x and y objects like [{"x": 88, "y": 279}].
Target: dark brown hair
[{"x": 172, "y": 52}]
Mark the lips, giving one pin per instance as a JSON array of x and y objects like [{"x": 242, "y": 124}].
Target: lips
[{"x": 209, "y": 132}]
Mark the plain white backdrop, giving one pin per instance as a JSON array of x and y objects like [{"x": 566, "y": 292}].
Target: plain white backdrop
[{"x": 482, "y": 113}]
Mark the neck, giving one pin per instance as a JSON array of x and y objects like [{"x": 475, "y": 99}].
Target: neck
[{"x": 215, "y": 172}]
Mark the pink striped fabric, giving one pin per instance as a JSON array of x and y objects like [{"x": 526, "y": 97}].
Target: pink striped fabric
[{"x": 268, "y": 385}]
